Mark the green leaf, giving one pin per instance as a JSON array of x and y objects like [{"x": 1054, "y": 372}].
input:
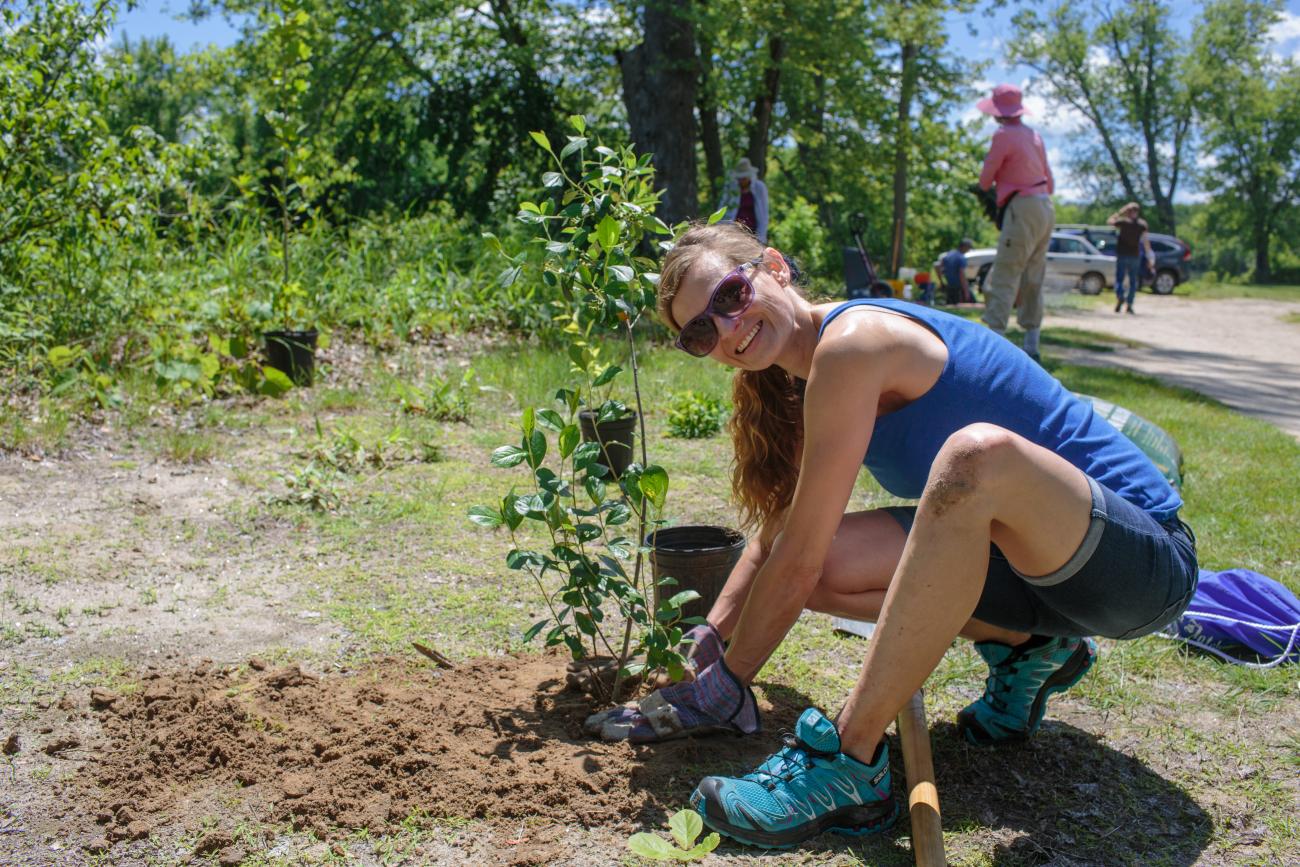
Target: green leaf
[
  {"x": 576, "y": 143},
  {"x": 486, "y": 516},
  {"x": 552, "y": 179},
  {"x": 542, "y": 141},
  {"x": 715, "y": 216},
  {"x": 654, "y": 485},
  {"x": 704, "y": 847},
  {"x": 568, "y": 440},
  {"x": 677, "y": 601},
  {"x": 606, "y": 375},
  {"x": 274, "y": 382},
  {"x": 550, "y": 419},
  {"x": 623, "y": 272},
  {"x": 652, "y": 847},
  {"x": 508, "y": 456},
  {"x": 619, "y": 513},
  {"x": 685, "y": 825},
  {"x": 607, "y": 232},
  {"x": 532, "y": 631},
  {"x": 578, "y": 122},
  {"x": 536, "y": 445},
  {"x": 61, "y": 356}
]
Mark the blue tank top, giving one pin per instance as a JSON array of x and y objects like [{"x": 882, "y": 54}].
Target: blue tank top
[{"x": 988, "y": 379}]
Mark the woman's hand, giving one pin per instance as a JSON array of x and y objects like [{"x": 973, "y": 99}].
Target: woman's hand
[{"x": 716, "y": 701}]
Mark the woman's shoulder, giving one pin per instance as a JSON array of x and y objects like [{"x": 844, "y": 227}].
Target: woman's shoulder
[{"x": 864, "y": 330}]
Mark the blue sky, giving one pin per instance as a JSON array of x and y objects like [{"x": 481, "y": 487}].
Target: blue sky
[{"x": 976, "y": 35}]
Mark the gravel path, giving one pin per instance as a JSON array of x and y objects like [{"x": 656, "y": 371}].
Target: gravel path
[{"x": 1242, "y": 352}]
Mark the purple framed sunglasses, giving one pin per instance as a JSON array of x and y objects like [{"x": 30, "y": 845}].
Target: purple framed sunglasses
[{"x": 730, "y": 297}]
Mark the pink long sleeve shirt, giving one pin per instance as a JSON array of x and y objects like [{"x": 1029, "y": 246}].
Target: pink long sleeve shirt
[{"x": 1017, "y": 161}]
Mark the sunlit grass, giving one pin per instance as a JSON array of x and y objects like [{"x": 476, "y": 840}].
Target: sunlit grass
[{"x": 1201, "y": 290}]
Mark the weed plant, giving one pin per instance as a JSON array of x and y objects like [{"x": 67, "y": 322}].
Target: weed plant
[{"x": 692, "y": 415}]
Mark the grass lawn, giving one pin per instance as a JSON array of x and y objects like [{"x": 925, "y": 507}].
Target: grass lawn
[
  {"x": 1157, "y": 757},
  {"x": 1201, "y": 289}
]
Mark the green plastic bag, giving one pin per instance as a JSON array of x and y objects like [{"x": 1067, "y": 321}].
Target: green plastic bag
[{"x": 1154, "y": 441}]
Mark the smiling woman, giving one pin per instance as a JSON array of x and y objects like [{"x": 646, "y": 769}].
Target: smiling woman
[{"x": 1038, "y": 525}]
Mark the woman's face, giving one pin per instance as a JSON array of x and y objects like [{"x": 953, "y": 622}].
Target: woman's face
[
  {"x": 744, "y": 183},
  {"x": 752, "y": 340}
]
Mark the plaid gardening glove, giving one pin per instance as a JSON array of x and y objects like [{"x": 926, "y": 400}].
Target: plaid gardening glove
[
  {"x": 706, "y": 646},
  {"x": 716, "y": 701}
]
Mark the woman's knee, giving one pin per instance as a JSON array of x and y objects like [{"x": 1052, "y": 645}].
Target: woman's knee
[{"x": 969, "y": 464}]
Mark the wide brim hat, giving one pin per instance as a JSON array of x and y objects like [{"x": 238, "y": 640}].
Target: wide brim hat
[
  {"x": 1006, "y": 101},
  {"x": 744, "y": 169}
]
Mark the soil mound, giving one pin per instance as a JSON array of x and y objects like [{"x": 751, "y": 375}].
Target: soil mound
[{"x": 492, "y": 738}]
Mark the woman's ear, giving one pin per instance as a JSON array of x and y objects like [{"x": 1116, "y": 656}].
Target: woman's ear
[{"x": 777, "y": 265}]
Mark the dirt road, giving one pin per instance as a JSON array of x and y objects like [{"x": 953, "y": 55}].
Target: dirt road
[{"x": 1243, "y": 352}]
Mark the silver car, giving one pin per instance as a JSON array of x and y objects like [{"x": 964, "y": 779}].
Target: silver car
[{"x": 1072, "y": 263}]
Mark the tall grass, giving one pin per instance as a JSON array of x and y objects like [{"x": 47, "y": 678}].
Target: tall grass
[{"x": 133, "y": 304}]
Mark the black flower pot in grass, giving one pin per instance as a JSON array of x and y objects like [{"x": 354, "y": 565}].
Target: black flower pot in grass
[
  {"x": 614, "y": 437},
  {"x": 293, "y": 353},
  {"x": 699, "y": 556}
]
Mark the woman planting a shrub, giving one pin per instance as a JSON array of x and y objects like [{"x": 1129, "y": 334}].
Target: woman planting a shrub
[{"x": 1038, "y": 525}]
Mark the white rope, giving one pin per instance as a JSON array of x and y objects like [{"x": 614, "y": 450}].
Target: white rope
[{"x": 1171, "y": 631}]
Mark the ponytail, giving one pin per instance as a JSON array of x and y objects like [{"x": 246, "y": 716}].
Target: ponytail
[{"x": 766, "y": 429}]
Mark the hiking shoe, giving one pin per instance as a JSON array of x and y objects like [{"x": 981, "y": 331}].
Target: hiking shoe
[
  {"x": 1020, "y": 680},
  {"x": 803, "y": 789}
]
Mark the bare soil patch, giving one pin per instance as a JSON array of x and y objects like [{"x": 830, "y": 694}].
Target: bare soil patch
[{"x": 496, "y": 738}]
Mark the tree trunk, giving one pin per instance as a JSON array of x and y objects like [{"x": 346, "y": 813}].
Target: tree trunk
[
  {"x": 765, "y": 104},
  {"x": 659, "y": 78},
  {"x": 1263, "y": 273},
  {"x": 714, "y": 165},
  {"x": 902, "y": 151}
]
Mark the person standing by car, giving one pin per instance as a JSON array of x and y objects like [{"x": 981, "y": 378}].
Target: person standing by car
[
  {"x": 1133, "y": 240},
  {"x": 953, "y": 266},
  {"x": 1017, "y": 165},
  {"x": 746, "y": 199}
]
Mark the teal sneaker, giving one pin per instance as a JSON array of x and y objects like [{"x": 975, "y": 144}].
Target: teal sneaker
[
  {"x": 1019, "y": 683},
  {"x": 802, "y": 790}
]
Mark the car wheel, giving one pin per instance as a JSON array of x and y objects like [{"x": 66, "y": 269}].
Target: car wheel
[
  {"x": 1092, "y": 283},
  {"x": 1164, "y": 283}
]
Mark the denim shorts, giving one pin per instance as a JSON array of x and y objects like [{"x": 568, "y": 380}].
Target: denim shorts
[{"x": 1130, "y": 576}]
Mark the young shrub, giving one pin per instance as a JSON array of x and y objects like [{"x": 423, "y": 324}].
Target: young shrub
[
  {"x": 599, "y": 207},
  {"x": 692, "y": 415}
]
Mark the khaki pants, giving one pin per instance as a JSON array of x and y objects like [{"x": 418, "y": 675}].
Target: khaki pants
[{"x": 1017, "y": 273}]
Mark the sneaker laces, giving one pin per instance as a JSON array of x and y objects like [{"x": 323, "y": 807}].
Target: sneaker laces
[
  {"x": 793, "y": 759},
  {"x": 998, "y": 683}
]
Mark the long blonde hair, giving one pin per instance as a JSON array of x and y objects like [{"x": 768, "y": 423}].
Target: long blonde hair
[{"x": 766, "y": 424}]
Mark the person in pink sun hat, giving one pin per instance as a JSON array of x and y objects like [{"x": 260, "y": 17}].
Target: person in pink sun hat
[{"x": 1017, "y": 166}]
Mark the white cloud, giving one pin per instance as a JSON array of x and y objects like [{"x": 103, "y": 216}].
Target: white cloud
[
  {"x": 1286, "y": 29},
  {"x": 1284, "y": 36},
  {"x": 1067, "y": 187}
]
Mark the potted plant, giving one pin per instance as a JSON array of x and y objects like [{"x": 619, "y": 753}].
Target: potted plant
[
  {"x": 600, "y": 208},
  {"x": 300, "y": 173}
]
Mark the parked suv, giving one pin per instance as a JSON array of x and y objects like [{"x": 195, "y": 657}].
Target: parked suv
[
  {"x": 1172, "y": 254},
  {"x": 1071, "y": 262}
]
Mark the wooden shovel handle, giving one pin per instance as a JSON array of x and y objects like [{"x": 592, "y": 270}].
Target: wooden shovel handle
[{"x": 922, "y": 795}]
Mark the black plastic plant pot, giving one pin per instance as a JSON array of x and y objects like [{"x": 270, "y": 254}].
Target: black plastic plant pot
[
  {"x": 615, "y": 439},
  {"x": 293, "y": 353},
  {"x": 699, "y": 556}
]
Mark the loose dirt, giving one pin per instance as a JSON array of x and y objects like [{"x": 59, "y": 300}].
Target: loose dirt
[
  {"x": 1242, "y": 352},
  {"x": 497, "y": 738}
]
